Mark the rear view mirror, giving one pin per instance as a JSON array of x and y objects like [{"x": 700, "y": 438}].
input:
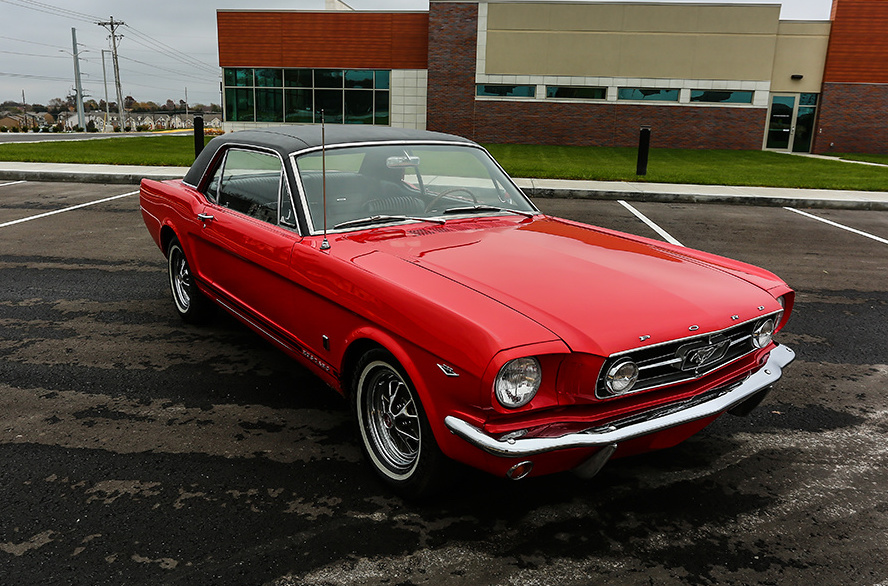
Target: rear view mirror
[{"x": 401, "y": 162}]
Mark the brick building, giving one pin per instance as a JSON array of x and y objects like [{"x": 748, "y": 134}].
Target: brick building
[{"x": 567, "y": 72}]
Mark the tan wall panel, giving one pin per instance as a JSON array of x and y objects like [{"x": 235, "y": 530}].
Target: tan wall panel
[
  {"x": 582, "y": 54},
  {"x": 801, "y": 49},
  {"x": 615, "y": 40},
  {"x": 656, "y": 56},
  {"x": 739, "y": 19},
  {"x": 515, "y": 16},
  {"x": 734, "y": 57},
  {"x": 577, "y": 17},
  {"x": 631, "y": 55},
  {"x": 512, "y": 53},
  {"x": 553, "y": 16}
]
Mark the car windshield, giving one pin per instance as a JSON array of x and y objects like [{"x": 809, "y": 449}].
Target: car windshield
[{"x": 404, "y": 182}]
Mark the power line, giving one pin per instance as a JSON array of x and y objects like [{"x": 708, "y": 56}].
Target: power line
[
  {"x": 35, "y": 42},
  {"x": 34, "y": 55},
  {"x": 30, "y": 76},
  {"x": 172, "y": 71},
  {"x": 164, "y": 49},
  {"x": 49, "y": 9},
  {"x": 138, "y": 36}
]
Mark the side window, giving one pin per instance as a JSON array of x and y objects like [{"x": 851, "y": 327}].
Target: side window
[
  {"x": 250, "y": 183},
  {"x": 288, "y": 213},
  {"x": 213, "y": 187}
]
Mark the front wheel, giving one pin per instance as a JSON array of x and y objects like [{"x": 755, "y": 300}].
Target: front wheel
[
  {"x": 394, "y": 431},
  {"x": 191, "y": 305}
]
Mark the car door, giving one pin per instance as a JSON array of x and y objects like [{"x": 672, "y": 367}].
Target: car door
[{"x": 244, "y": 246}]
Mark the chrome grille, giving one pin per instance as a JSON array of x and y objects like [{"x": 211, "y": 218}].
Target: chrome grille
[{"x": 685, "y": 359}]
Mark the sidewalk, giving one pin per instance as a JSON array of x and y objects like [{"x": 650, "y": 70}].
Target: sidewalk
[{"x": 634, "y": 191}]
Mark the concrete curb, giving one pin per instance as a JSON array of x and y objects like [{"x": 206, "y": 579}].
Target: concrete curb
[
  {"x": 89, "y": 177},
  {"x": 747, "y": 200},
  {"x": 73, "y": 173},
  {"x": 535, "y": 188}
]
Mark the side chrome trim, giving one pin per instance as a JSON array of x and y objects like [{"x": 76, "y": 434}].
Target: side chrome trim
[{"x": 636, "y": 426}]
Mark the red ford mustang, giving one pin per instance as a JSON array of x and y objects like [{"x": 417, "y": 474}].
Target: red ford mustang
[{"x": 409, "y": 273}]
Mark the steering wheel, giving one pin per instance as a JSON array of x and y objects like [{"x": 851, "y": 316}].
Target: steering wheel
[{"x": 447, "y": 192}]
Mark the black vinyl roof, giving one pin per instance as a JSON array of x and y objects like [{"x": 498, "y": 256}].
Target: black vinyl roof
[{"x": 297, "y": 137}]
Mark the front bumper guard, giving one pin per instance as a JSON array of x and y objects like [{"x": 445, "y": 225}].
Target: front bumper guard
[{"x": 693, "y": 409}]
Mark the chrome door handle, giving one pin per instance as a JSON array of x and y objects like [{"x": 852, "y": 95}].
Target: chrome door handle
[{"x": 205, "y": 217}]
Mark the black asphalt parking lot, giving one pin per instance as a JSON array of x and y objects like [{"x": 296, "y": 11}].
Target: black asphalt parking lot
[{"x": 139, "y": 450}]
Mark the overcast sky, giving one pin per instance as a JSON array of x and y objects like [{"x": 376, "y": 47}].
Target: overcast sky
[{"x": 36, "y": 48}]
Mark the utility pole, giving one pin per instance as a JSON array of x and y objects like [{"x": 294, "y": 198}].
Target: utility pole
[
  {"x": 78, "y": 97},
  {"x": 112, "y": 25},
  {"x": 107, "y": 105}
]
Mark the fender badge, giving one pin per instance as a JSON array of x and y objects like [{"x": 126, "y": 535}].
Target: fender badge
[
  {"x": 735, "y": 317},
  {"x": 448, "y": 370},
  {"x": 643, "y": 338},
  {"x": 694, "y": 328}
]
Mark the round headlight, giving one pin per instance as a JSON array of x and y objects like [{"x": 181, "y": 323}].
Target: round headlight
[
  {"x": 517, "y": 382},
  {"x": 621, "y": 377},
  {"x": 761, "y": 335}
]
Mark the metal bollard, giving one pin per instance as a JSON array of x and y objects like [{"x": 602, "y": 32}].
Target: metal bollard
[
  {"x": 198, "y": 135},
  {"x": 644, "y": 147}
]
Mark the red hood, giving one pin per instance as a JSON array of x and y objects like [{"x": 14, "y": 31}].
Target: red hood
[{"x": 599, "y": 291}]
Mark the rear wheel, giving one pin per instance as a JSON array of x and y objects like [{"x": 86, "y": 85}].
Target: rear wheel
[
  {"x": 394, "y": 431},
  {"x": 191, "y": 305}
]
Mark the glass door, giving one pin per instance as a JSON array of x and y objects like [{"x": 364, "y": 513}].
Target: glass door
[
  {"x": 781, "y": 125},
  {"x": 806, "y": 115},
  {"x": 791, "y": 122}
]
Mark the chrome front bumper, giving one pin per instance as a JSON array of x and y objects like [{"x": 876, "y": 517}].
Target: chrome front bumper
[{"x": 647, "y": 423}]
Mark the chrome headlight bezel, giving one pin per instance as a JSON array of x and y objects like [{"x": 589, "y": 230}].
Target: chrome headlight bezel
[
  {"x": 621, "y": 376},
  {"x": 763, "y": 333},
  {"x": 518, "y": 382}
]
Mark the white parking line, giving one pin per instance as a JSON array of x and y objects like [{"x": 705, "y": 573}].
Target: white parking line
[
  {"x": 666, "y": 236},
  {"x": 837, "y": 225},
  {"x": 12, "y": 183},
  {"x": 77, "y": 207}
]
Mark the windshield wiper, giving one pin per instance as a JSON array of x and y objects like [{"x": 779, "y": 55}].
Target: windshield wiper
[
  {"x": 487, "y": 208},
  {"x": 381, "y": 219}
]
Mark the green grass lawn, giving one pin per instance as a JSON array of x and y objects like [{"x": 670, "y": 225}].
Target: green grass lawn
[
  {"x": 720, "y": 167},
  {"x": 880, "y": 159},
  {"x": 175, "y": 151}
]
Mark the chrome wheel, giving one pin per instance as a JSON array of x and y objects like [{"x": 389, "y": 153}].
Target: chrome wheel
[
  {"x": 191, "y": 305},
  {"x": 180, "y": 279},
  {"x": 389, "y": 420}
]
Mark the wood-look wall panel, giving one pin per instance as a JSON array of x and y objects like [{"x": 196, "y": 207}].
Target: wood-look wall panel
[
  {"x": 238, "y": 47},
  {"x": 858, "y": 46},
  {"x": 374, "y": 40}
]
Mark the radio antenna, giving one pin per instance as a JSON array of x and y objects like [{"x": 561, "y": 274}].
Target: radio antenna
[{"x": 325, "y": 245}]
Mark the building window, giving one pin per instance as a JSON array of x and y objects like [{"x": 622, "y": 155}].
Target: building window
[
  {"x": 239, "y": 105},
  {"x": 721, "y": 97},
  {"x": 575, "y": 92},
  {"x": 647, "y": 94},
  {"x": 495, "y": 90},
  {"x": 269, "y": 104},
  {"x": 346, "y": 96},
  {"x": 238, "y": 77},
  {"x": 269, "y": 78},
  {"x": 808, "y": 99},
  {"x": 298, "y": 106}
]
